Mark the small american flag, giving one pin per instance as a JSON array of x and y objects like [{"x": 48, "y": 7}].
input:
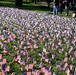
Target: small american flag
[
  {"x": 65, "y": 59},
  {"x": 30, "y": 66},
  {"x": 53, "y": 56},
  {"x": 35, "y": 46},
  {"x": 46, "y": 60},
  {"x": 71, "y": 67},
  {"x": 4, "y": 51},
  {"x": 65, "y": 65},
  {"x": 8, "y": 68},
  {"x": 47, "y": 73},
  {"x": 0, "y": 43},
  {"x": 68, "y": 71},
  {"x": 29, "y": 73},
  {"x": 0, "y": 56},
  {"x": 30, "y": 46},
  {"x": 4, "y": 61},
  {"x": 43, "y": 69},
  {"x": 44, "y": 50}
]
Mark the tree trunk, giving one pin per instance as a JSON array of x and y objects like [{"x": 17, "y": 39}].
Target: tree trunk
[
  {"x": 18, "y": 2},
  {"x": 35, "y": 1},
  {"x": 48, "y": 2},
  {"x": 48, "y": 5}
]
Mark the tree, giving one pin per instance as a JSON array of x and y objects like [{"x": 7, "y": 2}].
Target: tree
[
  {"x": 48, "y": 2},
  {"x": 18, "y": 2},
  {"x": 34, "y": 1}
]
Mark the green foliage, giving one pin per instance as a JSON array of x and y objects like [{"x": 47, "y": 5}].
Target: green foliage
[
  {"x": 1, "y": 40},
  {"x": 15, "y": 68},
  {"x": 11, "y": 49},
  {"x": 62, "y": 73},
  {"x": 36, "y": 66},
  {"x": 23, "y": 57},
  {"x": 53, "y": 62},
  {"x": 1, "y": 49},
  {"x": 13, "y": 43},
  {"x": 7, "y": 44},
  {"x": 69, "y": 60},
  {"x": 30, "y": 61},
  {"x": 54, "y": 69},
  {"x": 9, "y": 58},
  {"x": 41, "y": 73},
  {"x": 5, "y": 27},
  {"x": 16, "y": 38}
]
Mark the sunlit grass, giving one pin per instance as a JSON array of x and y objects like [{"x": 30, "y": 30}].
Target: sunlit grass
[{"x": 7, "y": 4}]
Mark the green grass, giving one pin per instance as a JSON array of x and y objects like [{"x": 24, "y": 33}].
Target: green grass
[{"x": 7, "y": 4}]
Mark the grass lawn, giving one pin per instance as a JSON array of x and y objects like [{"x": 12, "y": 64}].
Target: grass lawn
[{"x": 26, "y": 6}]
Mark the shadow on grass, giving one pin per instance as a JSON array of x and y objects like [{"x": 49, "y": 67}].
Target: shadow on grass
[{"x": 37, "y": 8}]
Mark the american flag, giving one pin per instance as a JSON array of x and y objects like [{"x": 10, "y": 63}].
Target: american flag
[
  {"x": 37, "y": 72},
  {"x": 65, "y": 65},
  {"x": 24, "y": 47},
  {"x": 8, "y": 68},
  {"x": 14, "y": 36},
  {"x": 39, "y": 54},
  {"x": 74, "y": 40},
  {"x": 34, "y": 61},
  {"x": 46, "y": 60},
  {"x": 68, "y": 71},
  {"x": 71, "y": 67},
  {"x": 21, "y": 63},
  {"x": 33, "y": 73},
  {"x": 60, "y": 51},
  {"x": 8, "y": 40},
  {"x": 35, "y": 46},
  {"x": 29, "y": 73},
  {"x": 0, "y": 56},
  {"x": 29, "y": 46},
  {"x": 43, "y": 69},
  {"x": 0, "y": 43},
  {"x": 26, "y": 67},
  {"x": 4, "y": 61},
  {"x": 75, "y": 53},
  {"x": 65, "y": 59},
  {"x": 53, "y": 56},
  {"x": 54, "y": 73},
  {"x": 30, "y": 66},
  {"x": 60, "y": 42},
  {"x": 18, "y": 56},
  {"x": 3, "y": 73},
  {"x": 41, "y": 65},
  {"x": 1, "y": 63},
  {"x": 4, "y": 51},
  {"x": 15, "y": 47},
  {"x": 47, "y": 73},
  {"x": 10, "y": 37},
  {"x": 44, "y": 50}
]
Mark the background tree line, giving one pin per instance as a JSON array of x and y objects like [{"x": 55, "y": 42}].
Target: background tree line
[{"x": 20, "y": 2}]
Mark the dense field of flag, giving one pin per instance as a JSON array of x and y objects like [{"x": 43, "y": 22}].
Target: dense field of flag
[{"x": 33, "y": 43}]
